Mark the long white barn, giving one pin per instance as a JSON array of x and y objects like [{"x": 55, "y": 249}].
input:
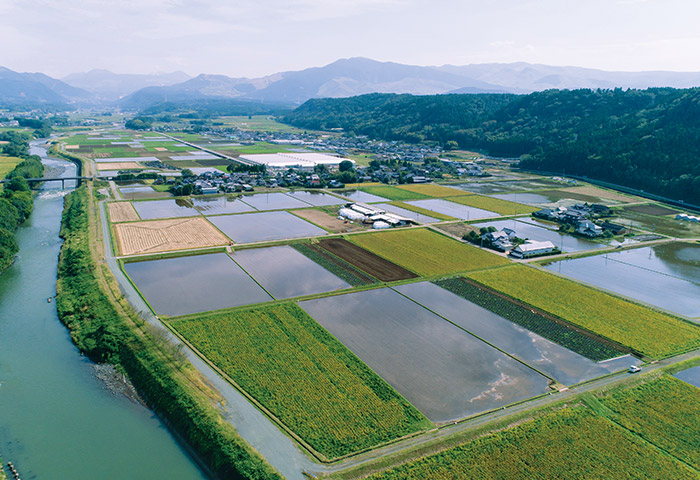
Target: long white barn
[{"x": 303, "y": 161}]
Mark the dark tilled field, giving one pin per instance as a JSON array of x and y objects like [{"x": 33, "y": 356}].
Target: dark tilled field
[
  {"x": 651, "y": 210},
  {"x": 375, "y": 265}
]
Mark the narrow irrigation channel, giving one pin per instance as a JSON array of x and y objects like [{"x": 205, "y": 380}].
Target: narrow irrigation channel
[{"x": 60, "y": 415}]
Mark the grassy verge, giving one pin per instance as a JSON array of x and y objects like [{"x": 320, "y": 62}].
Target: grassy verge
[
  {"x": 426, "y": 252},
  {"x": 304, "y": 377},
  {"x": 640, "y": 328},
  {"x": 154, "y": 367},
  {"x": 525, "y": 317}
]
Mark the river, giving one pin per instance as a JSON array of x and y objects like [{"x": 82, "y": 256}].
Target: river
[{"x": 58, "y": 420}]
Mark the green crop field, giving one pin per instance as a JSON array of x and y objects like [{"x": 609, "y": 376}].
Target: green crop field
[
  {"x": 426, "y": 252},
  {"x": 264, "y": 148},
  {"x": 503, "y": 207},
  {"x": 304, "y": 376},
  {"x": 570, "y": 443},
  {"x": 665, "y": 412},
  {"x": 653, "y": 333},
  {"x": 424, "y": 211},
  {"x": 393, "y": 193},
  {"x": 7, "y": 164},
  {"x": 432, "y": 190},
  {"x": 525, "y": 317}
]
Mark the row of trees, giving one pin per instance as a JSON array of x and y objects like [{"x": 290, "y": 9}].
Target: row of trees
[
  {"x": 16, "y": 201},
  {"x": 644, "y": 139}
]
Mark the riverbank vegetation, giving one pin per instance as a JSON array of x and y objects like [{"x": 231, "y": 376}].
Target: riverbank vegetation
[
  {"x": 16, "y": 199},
  {"x": 304, "y": 377},
  {"x": 644, "y": 139},
  {"x": 155, "y": 368}
]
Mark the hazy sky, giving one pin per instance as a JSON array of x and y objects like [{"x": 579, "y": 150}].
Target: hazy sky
[{"x": 258, "y": 37}]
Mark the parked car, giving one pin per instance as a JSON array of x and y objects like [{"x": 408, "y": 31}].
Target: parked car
[{"x": 635, "y": 369}]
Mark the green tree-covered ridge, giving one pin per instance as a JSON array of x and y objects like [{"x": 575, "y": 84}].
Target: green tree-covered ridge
[{"x": 645, "y": 139}]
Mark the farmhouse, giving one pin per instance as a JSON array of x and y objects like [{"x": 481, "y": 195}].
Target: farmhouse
[
  {"x": 532, "y": 249},
  {"x": 500, "y": 240},
  {"x": 588, "y": 228},
  {"x": 614, "y": 228}
]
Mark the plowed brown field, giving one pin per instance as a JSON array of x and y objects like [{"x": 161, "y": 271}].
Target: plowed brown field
[
  {"x": 167, "y": 235},
  {"x": 375, "y": 265},
  {"x": 122, "y": 212}
]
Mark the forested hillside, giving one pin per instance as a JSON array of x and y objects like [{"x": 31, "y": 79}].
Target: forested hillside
[{"x": 646, "y": 139}]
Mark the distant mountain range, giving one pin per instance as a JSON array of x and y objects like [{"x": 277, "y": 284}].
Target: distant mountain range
[{"x": 343, "y": 78}]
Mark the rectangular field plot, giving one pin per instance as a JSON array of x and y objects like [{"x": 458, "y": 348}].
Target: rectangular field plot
[
  {"x": 532, "y": 230},
  {"x": 502, "y": 207},
  {"x": 393, "y": 193},
  {"x": 645, "y": 330},
  {"x": 690, "y": 375},
  {"x": 529, "y": 198},
  {"x": 339, "y": 267},
  {"x": 418, "y": 217},
  {"x": 220, "y": 205},
  {"x": 126, "y": 159},
  {"x": 184, "y": 285},
  {"x": 445, "y": 372},
  {"x": 119, "y": 166},
  {"x": 664, "y": 411},
  {"x": 284, "y": 272},
  {"x": 431, "y": 190},
  {"x": 374, "y": 265},
  {"x": 122, "y": 212},
  {"x": 667, "y": 276},
  {"x": 305, "y": 377},
  {"x": 452, "y": 209},
  {"x": 166, "y": 235},
  {"x": 317, "y": 199},
  {"x": 360, "y": 196},
  {"x": 141, "y": 193},
  {"x": 659, "y": 225},
  {"x": 427, "y": 253},
  {"x": 273, "y": 201},
  {"x": 177, "y": 207},
  {"x": 544, "y": 355},
  {"x": 567, "y": 444},
  {"x": 264, "y": 226}
]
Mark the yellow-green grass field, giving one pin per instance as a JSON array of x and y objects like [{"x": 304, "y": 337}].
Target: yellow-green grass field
[
  {"x": 503, "y": 207},
  {"x": 304, "y": 376},
  {"x": 432, "y": 190},
  {"x": 424, "y": 211},
  {"x": 572, "y": 443},
  {"x": 427, "y": 253},
  {"x": 393, "y": 193},
  {"x": 665, "y": 412},
  {"x": 7, "y": 164},
  {"x": 640, "y": 328}
]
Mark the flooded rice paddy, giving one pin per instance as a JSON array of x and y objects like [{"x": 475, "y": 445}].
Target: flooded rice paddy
[
  {"x": 220, "y": 205},
  {"x": 176, "y": 207},
  {"x": 286, "y": 273},
  {"x": 445, "y": 372},
  {"x": 690, "y": 375},
  {"x": 264, "y": 226},
  {"x": 184, "y": 285},
  {"x": 317, "y": 199},
  {"x": 667, "y": 275},
  {"x": 544, "y": 355},
  {"x": 452, "y": 209},
  {"x": 273, "y": 201},
  {"x": 364, "y": 197}
]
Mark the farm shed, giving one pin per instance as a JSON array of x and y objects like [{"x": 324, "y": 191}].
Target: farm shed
[{"x": 531, "y": 249}]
